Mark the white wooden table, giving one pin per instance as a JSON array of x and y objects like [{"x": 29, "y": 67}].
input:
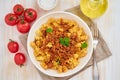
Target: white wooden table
[{"x": 109, "y": 25}]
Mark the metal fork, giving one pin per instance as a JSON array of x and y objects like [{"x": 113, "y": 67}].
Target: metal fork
[{"x": 95, "y": 42}]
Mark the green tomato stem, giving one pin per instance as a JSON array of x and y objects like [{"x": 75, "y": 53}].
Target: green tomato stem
[
  {"x": 21, "y": 65},
  {"x": 10, "y": 40}
]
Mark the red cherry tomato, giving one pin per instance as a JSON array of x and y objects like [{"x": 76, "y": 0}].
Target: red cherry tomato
[
  {"x": 19, "y": 59},
  {"x": 18, "y": 9},
  {"x": 30, "y": 15},
  {"x": 23, "y": 26},
  {"x": 13, "y": 46},
  {"x": 11, "y": 19}
]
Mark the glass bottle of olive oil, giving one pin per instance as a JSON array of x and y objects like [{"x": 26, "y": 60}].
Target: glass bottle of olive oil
[{"x": 93, "y": 8}]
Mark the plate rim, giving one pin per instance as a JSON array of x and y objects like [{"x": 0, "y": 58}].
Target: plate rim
[{"x": 28, "y": 44}]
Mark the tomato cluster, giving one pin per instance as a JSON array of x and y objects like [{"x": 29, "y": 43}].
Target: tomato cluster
[
  {"x": 19, "y": 57},
  {"x": 21, "y": 17}
]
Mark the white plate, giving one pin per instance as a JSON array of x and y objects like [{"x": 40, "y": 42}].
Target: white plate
[{"x": 66, "y": 15}]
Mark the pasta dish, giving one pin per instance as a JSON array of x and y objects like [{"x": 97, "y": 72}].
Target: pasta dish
[{"x": 59, "y": 44}]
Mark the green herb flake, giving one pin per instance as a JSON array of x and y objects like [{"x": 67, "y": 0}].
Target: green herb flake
[
  {"x": 58, "y": 61},
  {"x": 84, "y": 45},
  {"x": 64, "y": 41},
  {"x": 61, "y": 41},
  {"x": 49, "y": 30}
]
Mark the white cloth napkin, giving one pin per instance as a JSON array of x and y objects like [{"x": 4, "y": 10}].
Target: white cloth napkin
[{"x": 102, "y": 51}]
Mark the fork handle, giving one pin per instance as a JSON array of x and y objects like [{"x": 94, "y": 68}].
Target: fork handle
[{"x": 95, "y": 68}]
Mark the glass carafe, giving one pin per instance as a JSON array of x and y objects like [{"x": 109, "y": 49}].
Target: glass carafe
[{"x": 93, "y": 8}]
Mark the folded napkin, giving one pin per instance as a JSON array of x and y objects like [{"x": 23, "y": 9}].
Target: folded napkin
[{"x": 102, "y": 51}]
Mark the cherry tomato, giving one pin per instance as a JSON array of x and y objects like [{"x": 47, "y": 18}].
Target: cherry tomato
[
  {"x": 30, "y": 15},
  {"x": 18, "y": 9},
  {"x": 19, "y": 59},
  {"x": 11, "y": 19},
  {"x": 23, "y": 26},
  {"x": 13, "y": 46}
]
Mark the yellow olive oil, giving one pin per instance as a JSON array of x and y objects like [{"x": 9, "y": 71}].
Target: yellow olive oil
[{"x": 93, "y": 8}]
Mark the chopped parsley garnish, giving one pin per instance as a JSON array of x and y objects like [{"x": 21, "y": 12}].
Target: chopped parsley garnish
[
  {"x": 64, "y": 41},
  {"x": 58, "y": 61},
  {"x": 84, "y": 45},
  {"x": 49, "y": 30}
]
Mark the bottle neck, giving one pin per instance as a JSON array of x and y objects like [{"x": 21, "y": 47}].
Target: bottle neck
[
  {"x": 94, "y": 4},
  {"x": 96, "y": 1}
]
